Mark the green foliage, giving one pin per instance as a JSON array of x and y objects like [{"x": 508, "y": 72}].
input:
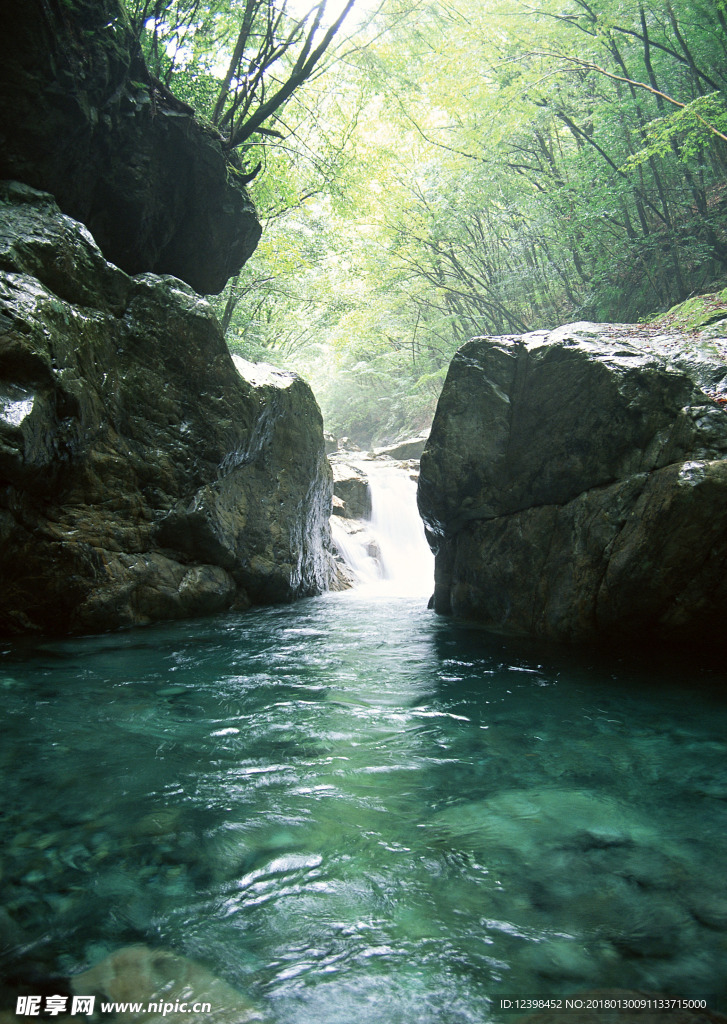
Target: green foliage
[
  {"x": 686, "y": 132},
  {"x": 466, "y": 168},
  {"x": 238, "y": 63}
]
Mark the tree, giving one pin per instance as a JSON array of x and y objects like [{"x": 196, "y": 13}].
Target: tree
[
  {"x": 572, "y": 168},
  {"x": 237, "y": 62}
]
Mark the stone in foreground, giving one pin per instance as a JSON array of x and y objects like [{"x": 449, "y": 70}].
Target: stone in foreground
[
  {"x": 574, "y": 487},
  {"x": 155, "y": 985}
]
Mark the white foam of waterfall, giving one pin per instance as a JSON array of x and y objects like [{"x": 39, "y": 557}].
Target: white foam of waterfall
[
  {"x": 389, "y": 554},
  {"x": 357, "y": 550}
]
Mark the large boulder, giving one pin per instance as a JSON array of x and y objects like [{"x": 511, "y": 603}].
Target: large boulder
[
  {"x": 81, "y": 117},
  {"x": 574, "y": 486},
  {"x": 142, "y": 476}
]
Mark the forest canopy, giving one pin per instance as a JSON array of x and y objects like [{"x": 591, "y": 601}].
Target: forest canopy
[{"x": 427, "y": 172}]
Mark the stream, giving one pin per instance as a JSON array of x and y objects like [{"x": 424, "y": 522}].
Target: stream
[{"x": 353, "y": 810}]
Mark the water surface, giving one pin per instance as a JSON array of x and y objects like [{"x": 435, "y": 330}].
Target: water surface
[{"x": 354, "y": 810}]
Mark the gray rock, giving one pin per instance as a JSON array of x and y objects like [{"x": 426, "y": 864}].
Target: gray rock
[
  {"x": 403, "y": 450},
  {"x": 142, "y": 476},
  {"x": 574, "y": 487},
  {"x": 351, "y": 487},
  {"x": 81, "y": 118}
]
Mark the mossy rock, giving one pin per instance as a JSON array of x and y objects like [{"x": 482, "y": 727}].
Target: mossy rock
[{"x": 699, "y": 313}]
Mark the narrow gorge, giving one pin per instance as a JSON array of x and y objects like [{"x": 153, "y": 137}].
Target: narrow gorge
[{"x": 279, "y": 747}]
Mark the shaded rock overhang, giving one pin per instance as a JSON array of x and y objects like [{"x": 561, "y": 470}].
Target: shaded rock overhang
[{"x": 81, "y": 118}]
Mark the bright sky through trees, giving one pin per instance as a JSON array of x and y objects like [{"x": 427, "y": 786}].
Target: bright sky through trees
[
  {"x": 361, "y": 12},
  {"x": 466, "y": 168}
]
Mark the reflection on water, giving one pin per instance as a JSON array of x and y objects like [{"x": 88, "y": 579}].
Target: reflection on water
[{"x": 352, "y": 810}]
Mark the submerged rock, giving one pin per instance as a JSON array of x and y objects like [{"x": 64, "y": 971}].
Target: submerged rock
[
  {"x": 574, "y": 486},
  {"x": 142, "y": 477},
  {"x": 177, "y": 986},
  {"x": 81, "y": 117},
  {"x": 527, "y": 822},
  {"x": 586, "y": 865}
]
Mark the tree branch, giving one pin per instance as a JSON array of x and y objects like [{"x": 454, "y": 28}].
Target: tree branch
[{"x": 591, "y": 66}]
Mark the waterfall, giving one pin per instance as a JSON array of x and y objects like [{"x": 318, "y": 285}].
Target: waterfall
[{"x": 389, "y": 552}]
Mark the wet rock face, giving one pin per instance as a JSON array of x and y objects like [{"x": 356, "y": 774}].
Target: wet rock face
[
  {"x": 574, "y": 486},
  {"x": 80, "y": 118},
  {"x": 142, "y": 477},
  {"x": 351, "y": 489}
]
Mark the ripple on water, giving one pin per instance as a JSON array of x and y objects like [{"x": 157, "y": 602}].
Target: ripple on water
[{"x": 354, "y": 810}]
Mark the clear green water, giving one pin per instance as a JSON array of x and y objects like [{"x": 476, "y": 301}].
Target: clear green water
[{"x": 353, "y": 810}]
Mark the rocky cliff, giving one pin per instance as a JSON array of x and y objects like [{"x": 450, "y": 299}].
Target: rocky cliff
[
  {"x": 141, "y": 476},
  {"x": 574, "y": 486},
  {"x": 81, "y": 117}
]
